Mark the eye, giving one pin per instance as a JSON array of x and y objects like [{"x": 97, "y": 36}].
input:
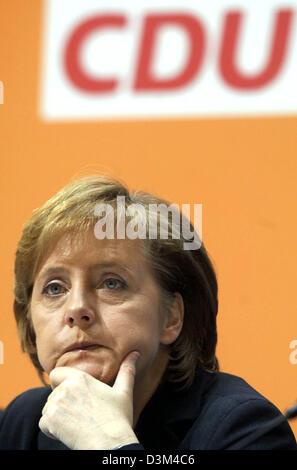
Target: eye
[
  {"x": 53, "y": 289},
  {"x": 114, "y": 284}
]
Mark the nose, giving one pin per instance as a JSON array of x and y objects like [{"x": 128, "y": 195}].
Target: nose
[
  {"x": 79, "y": 317},
  {"x": 79, "y": 311}
]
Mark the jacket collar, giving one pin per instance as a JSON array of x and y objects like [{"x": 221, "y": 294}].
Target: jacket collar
[{"x": 170, "y": 413}]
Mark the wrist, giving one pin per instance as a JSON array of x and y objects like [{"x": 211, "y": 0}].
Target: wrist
[{"x": 116, "y": 442}]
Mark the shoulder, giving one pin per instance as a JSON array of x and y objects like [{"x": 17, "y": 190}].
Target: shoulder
[
  {"x": 230, "y": 387},
  {"x": 26, "y": 402},
  {"x": 224, "y": 390},
  {"x": 228, "y": 390},
  {"x": 19, "y": 423},
  {"x": 230, "y": 409}
]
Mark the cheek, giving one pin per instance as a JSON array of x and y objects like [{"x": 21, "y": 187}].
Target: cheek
[
  {"x": 44, "y": 352},
  {"x": 142, "y": 335},
  {"x": 44, "y": 342}
]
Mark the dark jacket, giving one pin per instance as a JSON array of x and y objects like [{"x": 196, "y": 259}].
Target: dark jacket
[{"x": 213, "y": 414}]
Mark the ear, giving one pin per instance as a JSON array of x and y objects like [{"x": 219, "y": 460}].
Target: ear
[{"x": 173, "y": 322}]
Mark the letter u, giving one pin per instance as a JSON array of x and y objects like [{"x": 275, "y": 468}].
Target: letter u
[{"x": 279, "y": 46}]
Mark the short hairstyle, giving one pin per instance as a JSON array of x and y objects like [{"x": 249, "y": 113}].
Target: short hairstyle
[{"x": 189, "y": 272}]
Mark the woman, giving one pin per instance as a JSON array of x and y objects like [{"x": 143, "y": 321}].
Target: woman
[{"x": 125, "y": 329}]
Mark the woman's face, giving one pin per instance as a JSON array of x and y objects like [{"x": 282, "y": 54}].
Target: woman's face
[{"x": 93, "y": 302}]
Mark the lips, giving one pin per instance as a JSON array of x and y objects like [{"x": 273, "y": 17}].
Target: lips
[{"x": 84, "y": 346}]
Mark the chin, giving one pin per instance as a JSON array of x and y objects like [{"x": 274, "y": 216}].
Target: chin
[{"x": 98, "y": 372}]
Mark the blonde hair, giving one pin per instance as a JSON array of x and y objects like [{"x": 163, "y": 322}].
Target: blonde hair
[{"x": 190, "y": 273}]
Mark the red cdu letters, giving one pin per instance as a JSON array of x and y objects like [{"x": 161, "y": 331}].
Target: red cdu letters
[
  {"x": 144, "y": 80},
  {"x": 227, "y": 60},
  {"x": 73, "y": 66}
]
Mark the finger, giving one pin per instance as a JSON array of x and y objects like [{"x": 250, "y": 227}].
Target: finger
[
  {"x": 126, "y": 375},
  {"x": 59, "y": 374},
  {"x": 44, "y": 428}
]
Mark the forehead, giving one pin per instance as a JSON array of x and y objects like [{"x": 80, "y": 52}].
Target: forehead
[{"x": 84, "y": 250}]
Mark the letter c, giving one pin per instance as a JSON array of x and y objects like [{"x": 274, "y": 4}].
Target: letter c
[
  {"x": 72, "y": 63},
  {"x": 293, "y": 354}
]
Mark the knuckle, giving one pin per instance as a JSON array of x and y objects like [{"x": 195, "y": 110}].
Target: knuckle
[
  {"x": 43, "y": 424},
  {"x": 52, "y": 410},
  {"x": 46, "y": 427}
]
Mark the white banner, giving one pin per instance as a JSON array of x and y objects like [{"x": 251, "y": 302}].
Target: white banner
[{"x": 150, "y": 59}]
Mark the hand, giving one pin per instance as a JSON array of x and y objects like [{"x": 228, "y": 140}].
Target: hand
[{"x": 84, "y": 413}]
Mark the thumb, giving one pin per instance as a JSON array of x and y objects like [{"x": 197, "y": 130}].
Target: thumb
[{"x": 126, "y": 375}]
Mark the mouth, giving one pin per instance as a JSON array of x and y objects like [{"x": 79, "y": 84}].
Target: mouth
[{"x": 84, "y": 346}]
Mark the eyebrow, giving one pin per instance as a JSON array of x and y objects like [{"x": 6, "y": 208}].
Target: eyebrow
[
  {"x": 108, "y": 264},
  {"x": 112, "y": 264}
]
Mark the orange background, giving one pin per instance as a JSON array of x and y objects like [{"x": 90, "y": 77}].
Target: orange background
[{"x": 243, "y": 171}]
